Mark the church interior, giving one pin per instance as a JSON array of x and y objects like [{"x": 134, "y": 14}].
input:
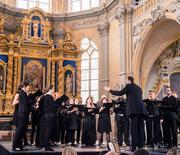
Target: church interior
[{"x": 80, "y": 46}]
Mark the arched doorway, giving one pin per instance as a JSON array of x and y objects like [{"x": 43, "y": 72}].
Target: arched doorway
[{"x": 154, "y": 41}]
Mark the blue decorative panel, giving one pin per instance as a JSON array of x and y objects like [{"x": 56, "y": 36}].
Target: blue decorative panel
[
  {"x": 69, "y": 62},
  {"x": 4, "y": 58}
]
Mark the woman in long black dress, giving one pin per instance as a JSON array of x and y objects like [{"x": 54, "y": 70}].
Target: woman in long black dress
[
  {"x": 16, "y": 111},
  {"x": 104, "y": 121},
  {"x": 16, "y": 104},
  {"x": 89, "y": 123}
]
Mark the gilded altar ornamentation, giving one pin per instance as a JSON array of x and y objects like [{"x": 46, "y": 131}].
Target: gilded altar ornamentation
[
  {"x": 60, "y": 76},
  {"x": 36, "y": 27},
  {"x": 1, "y": 24},
  {"x": 3, "y": 69},
  {"x": 34, "y": 57}
]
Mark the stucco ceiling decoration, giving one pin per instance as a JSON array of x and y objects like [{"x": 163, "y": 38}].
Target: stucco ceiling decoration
[
  {"x": 157, "y": 15},
  {"x": 175, "y": 8}
]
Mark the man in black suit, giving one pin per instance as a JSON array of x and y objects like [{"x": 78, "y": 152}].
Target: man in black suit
[
  {"x": 170, "y": 118},
  {"x": 122, "y": 121},
  {"x": 23, "y": 116},
  {"x": 135, "y": 109}
]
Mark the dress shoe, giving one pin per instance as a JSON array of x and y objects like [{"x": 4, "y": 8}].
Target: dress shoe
[
  {"x": 25, "y": 149},
  {"x": 17, "y": 149}
]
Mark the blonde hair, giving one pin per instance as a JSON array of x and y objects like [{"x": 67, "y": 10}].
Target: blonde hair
[
  {"x": 69, "y": 151},
  {"x": 172, "y": 152}
]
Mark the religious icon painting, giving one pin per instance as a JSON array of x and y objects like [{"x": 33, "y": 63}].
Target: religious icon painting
[{"x": 34, "y": 73}]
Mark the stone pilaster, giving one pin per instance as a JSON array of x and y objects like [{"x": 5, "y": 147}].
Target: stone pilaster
[
  {"x": 124, "y": 18},
  {"x": 103, "y": 30}
]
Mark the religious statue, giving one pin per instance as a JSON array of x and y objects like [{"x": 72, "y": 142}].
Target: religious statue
[
  {"x": 35, "y": 28},
  {"x": 68, "y": 83},
  {"x": 68, "y": 35},
  {"x": 47, "y": 28},
  {"x": 60, "y": 43},
  {"x": 25, "y": 26}
]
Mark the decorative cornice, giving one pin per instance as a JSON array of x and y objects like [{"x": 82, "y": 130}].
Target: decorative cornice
[{"x": 156, "y": 15}]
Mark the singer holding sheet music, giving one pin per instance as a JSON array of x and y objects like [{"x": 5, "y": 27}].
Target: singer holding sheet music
[
  {"x": 89, "y": 123},
  {"x": 104, "y": 121}
]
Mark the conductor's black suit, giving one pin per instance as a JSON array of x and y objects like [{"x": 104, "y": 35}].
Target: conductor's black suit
[{"x": 135, "y": 109}]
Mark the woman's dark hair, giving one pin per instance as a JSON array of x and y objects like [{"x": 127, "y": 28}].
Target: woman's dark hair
[
  {"x": 90, "y": 98},
  {"x": 51, "y": 87},
  {"x": 19, "y": 88},
  {"x": 47, "y": 89},
  {"x": 25, "y": 84}
]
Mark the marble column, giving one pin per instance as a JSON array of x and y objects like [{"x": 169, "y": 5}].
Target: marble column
[{"x": 103, "y": 30}]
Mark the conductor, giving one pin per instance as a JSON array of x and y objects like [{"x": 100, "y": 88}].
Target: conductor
[{"x": 135, "y": 109}]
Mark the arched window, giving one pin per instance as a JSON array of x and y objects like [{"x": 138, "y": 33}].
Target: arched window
[
  {"x": 89, "y": 70},
  {"x": 78, "y": 5},
  {"x": 27, "y": 4}
]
